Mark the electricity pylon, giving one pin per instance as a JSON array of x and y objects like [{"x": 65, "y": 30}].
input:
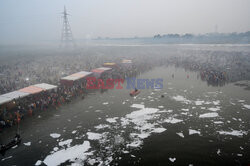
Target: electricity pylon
[{"x": 67, "y": 39}]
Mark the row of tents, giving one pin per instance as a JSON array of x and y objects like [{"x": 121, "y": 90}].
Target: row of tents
[
  {"x": 66, "y": 81},
  {"x": 71, "y": 79}
]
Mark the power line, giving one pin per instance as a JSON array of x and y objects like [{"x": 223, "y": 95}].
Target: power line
[{"x": 67, "y": 39}]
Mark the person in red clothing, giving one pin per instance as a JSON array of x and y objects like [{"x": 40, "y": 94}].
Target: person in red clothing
[
  {"x": 18, "y": 117},
  {"x": 30, "y": 111}
]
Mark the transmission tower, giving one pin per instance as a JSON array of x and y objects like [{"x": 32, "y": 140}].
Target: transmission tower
[{"x": 67, "y": 39}]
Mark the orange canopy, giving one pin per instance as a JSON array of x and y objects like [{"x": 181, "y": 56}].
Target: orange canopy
[
  {"x": 77, "y": 75},
  {"x": 31, "y": 89},
  {"x": 101, "y": 69},
  {"x": 97, "y": 71}
]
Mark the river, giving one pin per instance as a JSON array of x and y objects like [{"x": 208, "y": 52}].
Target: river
[{"x": 191, "y": 124}]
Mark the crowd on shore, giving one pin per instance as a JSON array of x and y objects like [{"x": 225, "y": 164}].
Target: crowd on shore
[
  {"x": 11, "y": 115},
  {"x": 216, "y": 68},
  {"x": 25, "y": 71}
]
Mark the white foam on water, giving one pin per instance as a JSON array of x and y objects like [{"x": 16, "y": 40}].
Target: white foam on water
[
  {"x": 108, "y": 160},
  {"x": 218, "y": 152},
  {"x": 142, "y": 123},
  {"x": 232, "y": 103},
  {"x": 72, "y": 154},
  {"x": 160, "y": 106},
  {"x": 135, "y": 143},
  {"x": 125, "y": 151},
  {"x": 241, "y": 101},
  {"x": 173, "y": 120},
  {"x": 39, "y": 162},
  {"x": 91, "y": 161},
  {"x": 66, "y": 142},
  {"x": 180, "y": 134},
  {"x": 55, "y": 149},
  {"x": 73, "y": 132},
  {"x": 124, "y": 122},
  {"x": 209, "y": 115},
  {"x": 105, "y": 103},
  {"x": 199, "y": 102},
  {"x": 6, "y": 158},
  {"x": 159, "y": 130},
  {"x": 246, "y": 106},
  {"x": 162, "y": 111},
  {"x": 143, "y": 127},
  {"x": 118, "y": 140},
  {"x": 214, "y": 109},
  {"x": 14, "y": 147},
  {"x": 27, "y": 143},
  {"x": 140, "y": 106},
  {"x": 112, "y": 120},
  {"x": 207, "y": 102},
  {"x": 185, "y": 109},
  {"x": 172, "y": 159},
  {"x": 55, "y": 135},
  {"x": 238, "y": 133},
  {"x": 181, "y": 99},
  {"x": 141, "y": 115},
  {"x": 191, "y": 132},
  {"x": 217, "y": 102},
  {"x": 142, "y": 135},
  {"x": 94, "y": 136},
  {"x": 218, "y": 122},
  {"x": 102, "y": 126}
]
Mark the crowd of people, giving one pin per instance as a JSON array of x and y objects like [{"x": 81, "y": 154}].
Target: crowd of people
[
  {"x": 22, "y": 71},
  {"x": 215, "y": 78},
  {"x": 216, "y": 68},
  {"x": 12, "y": 113}
]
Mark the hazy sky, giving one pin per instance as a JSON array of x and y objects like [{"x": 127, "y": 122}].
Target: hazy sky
[{"x": 40, "y": 20}]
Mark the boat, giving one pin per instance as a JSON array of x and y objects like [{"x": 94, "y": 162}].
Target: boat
[
  {"x": 134, "y": 92},
  {"x": 16, "y": 141}
]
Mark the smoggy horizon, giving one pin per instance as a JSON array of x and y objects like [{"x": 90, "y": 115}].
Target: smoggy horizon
[{"x": 38, "y": 21}]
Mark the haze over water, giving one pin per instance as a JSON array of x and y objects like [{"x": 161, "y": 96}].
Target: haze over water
[
  {"x": 199, "y": 51},
  {"x": 195, "y": 123}
]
